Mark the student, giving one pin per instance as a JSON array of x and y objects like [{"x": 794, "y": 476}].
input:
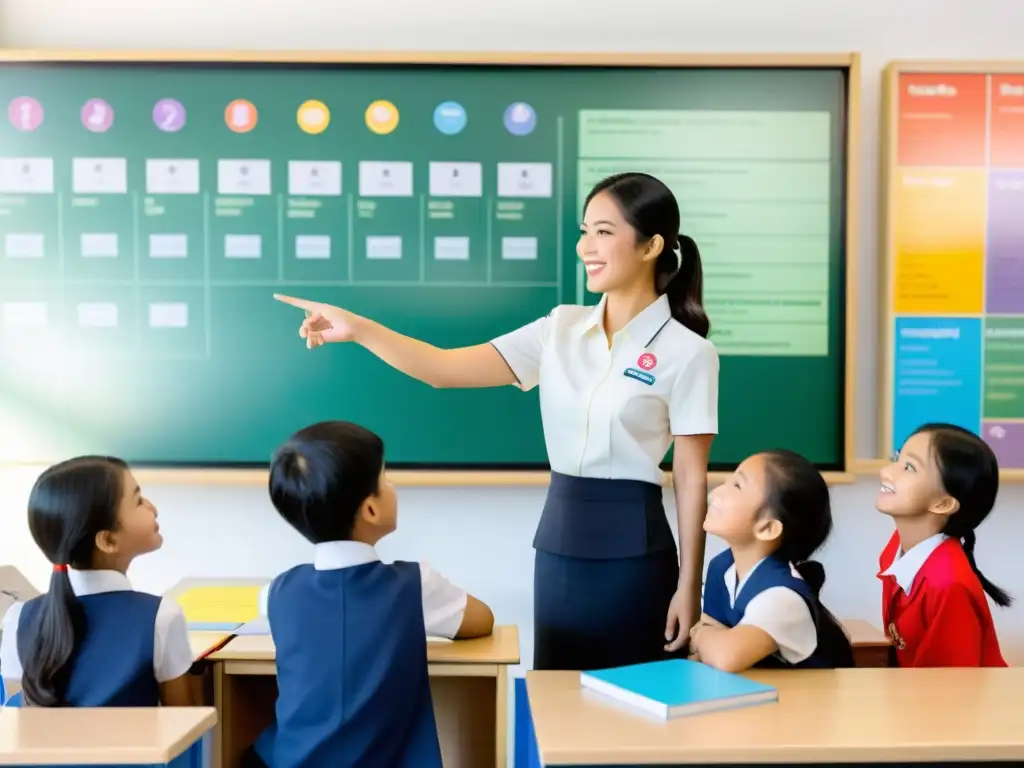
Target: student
[
  {"x": 761, "y": 605},
  {"x": 351, "y": 631},
  {"x": 90, "y": 640},
  {"x": 938, "y": 490}
]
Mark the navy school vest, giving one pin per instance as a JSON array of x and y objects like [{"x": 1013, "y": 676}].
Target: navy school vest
[
  {"x": 113, "y": 663},
  {"x": 772, "y": 572},
  {"x": 353, "y": 688}
]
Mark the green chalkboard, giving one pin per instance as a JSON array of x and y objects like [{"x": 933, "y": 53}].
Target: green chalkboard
[{"x": 149, "y": 210}]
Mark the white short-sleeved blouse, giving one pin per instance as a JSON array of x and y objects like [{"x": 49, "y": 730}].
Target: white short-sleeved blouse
[{"x": 612, "y": 413}]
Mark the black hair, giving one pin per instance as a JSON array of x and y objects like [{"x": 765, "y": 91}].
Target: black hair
[
  {"x": 322, "y": 475},
  {"x": 970, "y": 474},
  {"x": 797, "y": 496},
  {"x": 70, "y": 504},
  {"x": 651, "y": 209}
]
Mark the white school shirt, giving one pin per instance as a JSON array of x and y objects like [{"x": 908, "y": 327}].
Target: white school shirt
[
  {"x": 905, "y": 565},
  {"x": 779, "y": 612},
  {"x": 444, "y": 604},
  {"x": 172, "y": 653},
  {"x": 611, "y": 413}
]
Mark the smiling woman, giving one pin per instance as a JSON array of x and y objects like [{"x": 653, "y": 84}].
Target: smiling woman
[{"x": 608, "y": 587}]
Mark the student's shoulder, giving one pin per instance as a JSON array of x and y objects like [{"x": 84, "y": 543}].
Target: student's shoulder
[
  {"x": 888, "y": 553},
  {"x": 947, "y": 569},
  {"x": 12, "y": 617},
  {"x": 289, "y": 578},
  {"x": 432, "y": 582},
  {"x": 720, "y": 563},
  {"x": 142, "y": 601},
  {"x": 147, "y": 597},
  {"x": 413, "y": 568}
]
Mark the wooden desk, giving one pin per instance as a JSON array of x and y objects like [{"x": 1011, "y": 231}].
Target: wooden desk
[
  {"x": 878, "y": 716},
  {"x": 468, "y": 680},
  {"x": 870, "y": 644},
  {"x": 148, "y": 737}
]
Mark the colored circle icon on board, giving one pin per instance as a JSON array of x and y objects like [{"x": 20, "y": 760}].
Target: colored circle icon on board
[
  {"x": 450, "y": 118},
  {"x": 97, "y": 115},
  {"x": 169, "y": 115},
  {"x": 313, "y": 117},
  {"x": 25, "y": 113},
  {"x": 520, "y": 119},
  {"x": 382, "y": 117},
  {"x": 241, "y": 116}
]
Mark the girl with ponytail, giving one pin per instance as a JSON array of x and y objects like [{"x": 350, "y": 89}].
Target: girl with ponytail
[
  {"x": 761, "y": 595},
  {"x": 90, "y": 641},
  {"x": 938, "y": 490}
]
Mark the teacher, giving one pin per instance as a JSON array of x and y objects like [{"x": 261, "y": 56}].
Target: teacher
[{"x": 619, "y": 384}]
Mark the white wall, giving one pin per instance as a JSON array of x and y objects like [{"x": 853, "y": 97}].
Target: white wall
[{"x": 482, "y": 538}]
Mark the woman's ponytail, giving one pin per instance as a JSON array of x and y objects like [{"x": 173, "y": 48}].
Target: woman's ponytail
[
  {"x": 685, "y": 285},
  {"x": 53, "y": 635}
]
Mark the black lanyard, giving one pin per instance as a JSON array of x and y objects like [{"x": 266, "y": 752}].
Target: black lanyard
[{"x": 651, "y": 340}]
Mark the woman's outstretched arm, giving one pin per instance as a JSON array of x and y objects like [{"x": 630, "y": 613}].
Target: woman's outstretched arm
[{"x": 480, "y": 365}]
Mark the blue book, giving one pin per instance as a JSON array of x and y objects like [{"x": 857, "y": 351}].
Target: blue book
[
  {"x": 212, "y": 626},
  {"x": 677, "y": 687},
  {"x": 258, "y": 626}
]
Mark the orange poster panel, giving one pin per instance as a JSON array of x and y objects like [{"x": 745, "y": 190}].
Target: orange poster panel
[
  {"x": 939, "y": 228},
  {"x": 942, "y": 119},
  {"x": 1007, "y": 147}
]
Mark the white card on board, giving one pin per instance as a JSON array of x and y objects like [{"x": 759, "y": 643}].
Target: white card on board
[{"x": 99, "y": 175}]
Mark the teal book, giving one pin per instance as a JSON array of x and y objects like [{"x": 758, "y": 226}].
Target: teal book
[
  {"x": 212, "y": 626},
  {"x": 677, "y": 687}
]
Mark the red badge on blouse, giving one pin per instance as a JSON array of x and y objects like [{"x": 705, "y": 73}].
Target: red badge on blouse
[{"x": 647, "y": 361}]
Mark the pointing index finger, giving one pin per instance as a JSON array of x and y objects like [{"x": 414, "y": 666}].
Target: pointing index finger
[{"x": 306, "y": 304}]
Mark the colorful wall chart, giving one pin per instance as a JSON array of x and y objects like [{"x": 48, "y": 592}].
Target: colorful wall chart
[
  {"x": 150, "y": 209},
  {"x": 955, "y": 256}
]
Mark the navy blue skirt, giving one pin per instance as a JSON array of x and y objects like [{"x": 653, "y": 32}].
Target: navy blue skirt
[{"x": 605, "y": 571}]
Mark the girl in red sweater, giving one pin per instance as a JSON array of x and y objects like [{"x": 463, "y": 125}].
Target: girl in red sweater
[{"x": 940, "y": 487}]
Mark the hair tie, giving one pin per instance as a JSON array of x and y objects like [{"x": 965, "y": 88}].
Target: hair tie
[
  {"x": 60, "y": 568},
  {"x": 678, "y": 251}
]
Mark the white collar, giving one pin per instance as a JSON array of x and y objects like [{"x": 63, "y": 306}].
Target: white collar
[
  {"x": 97, "y": 582},
  {"x": 733, "y": 585},
  {"x": 905, "y": 565},
  {"x": 642, "y": 328},
  {"x": 333, "y": 555}
]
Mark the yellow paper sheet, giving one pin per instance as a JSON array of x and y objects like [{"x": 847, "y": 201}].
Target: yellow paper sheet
[{"x": 215, "y": 604}]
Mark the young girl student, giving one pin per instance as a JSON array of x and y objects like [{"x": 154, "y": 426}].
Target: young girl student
[
  {"x": 938, "y": 490},
  {"x": 350, "y": 630},
  {"x": 90, "y": 640},
  {"x": 761, "y": 605}
]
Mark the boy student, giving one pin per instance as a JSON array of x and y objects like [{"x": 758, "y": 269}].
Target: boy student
[{"x": 351, "y": 631}]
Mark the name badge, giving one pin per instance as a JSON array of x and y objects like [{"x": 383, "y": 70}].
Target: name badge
[{"x": 635, "y": 373}]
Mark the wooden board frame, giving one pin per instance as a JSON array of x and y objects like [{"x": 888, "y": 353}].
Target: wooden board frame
[
  {"x": 889, "y": 141},
  {"x": 850, "y": 61}
]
